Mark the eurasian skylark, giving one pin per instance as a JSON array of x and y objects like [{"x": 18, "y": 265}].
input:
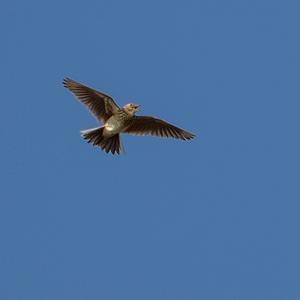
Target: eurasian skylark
[{"x": 118, "y": 120}]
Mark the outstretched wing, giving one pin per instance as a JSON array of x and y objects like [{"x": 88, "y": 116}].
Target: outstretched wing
[
  {"x": 101, "y": 105},
  {"x": 140, "y": 125}
]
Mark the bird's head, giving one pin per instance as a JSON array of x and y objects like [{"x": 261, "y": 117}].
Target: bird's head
[{"x": 131, "y": 108}]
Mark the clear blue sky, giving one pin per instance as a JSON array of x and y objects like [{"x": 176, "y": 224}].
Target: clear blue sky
[{"x": 215, "y": 218}]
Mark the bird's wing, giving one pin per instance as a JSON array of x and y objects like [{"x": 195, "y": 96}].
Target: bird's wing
[
  {"x": 140, "y": 125},
  {"x": 101, "y": 105}
]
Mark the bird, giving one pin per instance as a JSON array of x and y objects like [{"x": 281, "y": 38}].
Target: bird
[{"x": 118, "y": 120}]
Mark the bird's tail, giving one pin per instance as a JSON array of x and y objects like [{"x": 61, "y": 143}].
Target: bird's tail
[{"x": 108, "y": 144}]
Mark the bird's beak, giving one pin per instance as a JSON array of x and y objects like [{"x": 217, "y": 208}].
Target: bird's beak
[{"x": 137, "y": 106}]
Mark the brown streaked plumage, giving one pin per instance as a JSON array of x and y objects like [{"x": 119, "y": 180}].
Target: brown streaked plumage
[{"x": 119, "y": 120}]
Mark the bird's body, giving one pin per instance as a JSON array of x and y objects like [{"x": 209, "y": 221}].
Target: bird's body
[
  {"x": 115, "y": 124},
  {"x": 119, "y": 120}
]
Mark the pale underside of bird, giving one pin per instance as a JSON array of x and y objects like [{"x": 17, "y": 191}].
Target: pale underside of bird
[{"x": 118, "y": 120}]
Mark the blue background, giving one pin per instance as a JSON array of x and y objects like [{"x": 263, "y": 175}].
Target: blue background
[{"x": 214, "y": 218}]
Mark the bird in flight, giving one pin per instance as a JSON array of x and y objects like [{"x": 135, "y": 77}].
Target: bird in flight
[{"x": 118, "y": 120}]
